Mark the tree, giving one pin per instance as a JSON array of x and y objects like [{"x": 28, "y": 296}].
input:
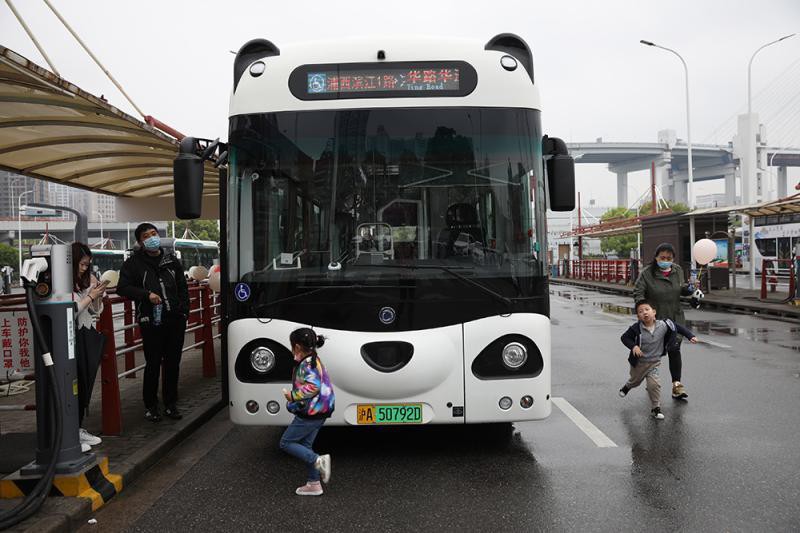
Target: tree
[
  {"x": 206, "y": 230},
  {"x": 9, "y": 256},
  {"x": 674, "y": 206},
  {"x": 618, "y": 244},
  {"x": 617, "y": 212},
  {"x": 623, "y": 244}
]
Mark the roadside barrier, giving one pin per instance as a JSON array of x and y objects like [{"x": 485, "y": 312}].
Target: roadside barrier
[
  {"x": 607, "y": 270},
  {"x": 775, "y": 272},
  {"x": 203, "y": 315},
  {"x": 123, "y": 339}
]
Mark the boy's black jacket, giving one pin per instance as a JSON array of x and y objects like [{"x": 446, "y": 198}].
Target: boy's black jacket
[
  {"x": 633, "y": 337},
  {"x": 138, "y": 277}
]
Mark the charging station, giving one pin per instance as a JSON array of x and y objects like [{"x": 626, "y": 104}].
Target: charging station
[
  {"x": 56, "y": 312},
  {"x": 60, "y": 468}
]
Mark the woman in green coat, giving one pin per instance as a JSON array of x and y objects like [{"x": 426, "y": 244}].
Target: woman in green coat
[{"x": 662, "y": 283}]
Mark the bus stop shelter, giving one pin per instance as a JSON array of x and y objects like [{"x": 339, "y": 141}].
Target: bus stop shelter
[{"x": 52, "y": 130}]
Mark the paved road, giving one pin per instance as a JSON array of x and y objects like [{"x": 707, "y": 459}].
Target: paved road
[{"x": 727, "y": 460}]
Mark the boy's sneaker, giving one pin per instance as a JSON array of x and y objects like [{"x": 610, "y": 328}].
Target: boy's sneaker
[
  {"x": 323, "y": 464},
  {"x": 679, "y": 391},
  {"x": 173, "y": 413},
  {"x": 86, "y": 437},
  {"x": 152, "y": 415},
  {"x": 624, "y": 391},
  {"x": 312, "y": 488},
  {"x": 656, "y": 413},
  {"x": 85, "y": 447}
]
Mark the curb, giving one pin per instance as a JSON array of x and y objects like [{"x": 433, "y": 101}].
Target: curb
[
  {"x": 69, "y": 514},
  {"x": 789, "y": 313}
]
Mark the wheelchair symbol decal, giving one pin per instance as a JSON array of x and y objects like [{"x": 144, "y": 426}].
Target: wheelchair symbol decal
[{"x": 242, "y": 292}]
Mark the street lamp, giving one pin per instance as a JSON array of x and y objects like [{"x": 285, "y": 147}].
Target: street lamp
[
  {"x": 750, "y": 146},
  {"x": 19, "y": 237},
  {"x": 102, "y": 243},
  {"x": 750, "y": 66},
  {"x": 688, "y": 145}
]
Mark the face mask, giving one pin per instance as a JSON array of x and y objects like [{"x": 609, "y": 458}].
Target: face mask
[
  {"x": 664, "y": 265},
  {"x": 152, "y": 243}
]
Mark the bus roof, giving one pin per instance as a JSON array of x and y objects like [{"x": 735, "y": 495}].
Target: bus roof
[
  {"x": 196, "y": 242},
  {"x": 497, "y": 86},
  {"x": 105, "y": 251}
]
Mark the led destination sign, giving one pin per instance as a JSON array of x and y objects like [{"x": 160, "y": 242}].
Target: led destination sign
[
  {"x": 429, "y": 79},
  {"x": 383, "y": 80}
]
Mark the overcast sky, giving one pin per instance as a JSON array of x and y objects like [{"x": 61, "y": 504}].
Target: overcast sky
[{"x": 595, "y": 79}]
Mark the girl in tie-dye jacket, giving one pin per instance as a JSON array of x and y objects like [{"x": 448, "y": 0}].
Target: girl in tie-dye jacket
[
  {"x": 311, "y": 400},
  {"x": 312, "y": 393}
]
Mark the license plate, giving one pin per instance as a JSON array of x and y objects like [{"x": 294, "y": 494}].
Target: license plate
[{"x": 389, "y": 413}]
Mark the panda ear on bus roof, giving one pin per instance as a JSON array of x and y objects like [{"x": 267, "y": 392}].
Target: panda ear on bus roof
[
  {"x": 249, "y": 52},
  {"x": 514, "y": 46}
]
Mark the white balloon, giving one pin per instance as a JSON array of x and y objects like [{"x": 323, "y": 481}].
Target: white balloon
[
  {"x": 198, "y": 273},
  {"x": 112, "y": 276},
  {"x": 214, "y": 281},
  {"x": 705, "y": 251}
]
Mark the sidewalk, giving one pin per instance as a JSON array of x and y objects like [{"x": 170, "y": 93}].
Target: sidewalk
[
  {"x": 742, "y": 301},
  {"x": 141, "y": 444}
]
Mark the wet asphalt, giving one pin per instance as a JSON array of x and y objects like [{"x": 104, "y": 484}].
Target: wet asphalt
[{"x": 728, "y": 459}]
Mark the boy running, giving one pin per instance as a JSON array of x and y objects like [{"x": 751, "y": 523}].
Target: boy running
[{"x": 648, "y": 340}]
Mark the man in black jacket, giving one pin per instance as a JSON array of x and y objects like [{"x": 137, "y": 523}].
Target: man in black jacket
[{"x": 154, "y": 279}]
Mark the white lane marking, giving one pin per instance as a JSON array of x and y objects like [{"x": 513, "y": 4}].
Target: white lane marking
[
  {"x": 716, "y": 344},
  {"x": 597, "y": 436}
]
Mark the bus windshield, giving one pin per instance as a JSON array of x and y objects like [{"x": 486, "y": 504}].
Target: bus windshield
[{"x": 346, "y": 190}]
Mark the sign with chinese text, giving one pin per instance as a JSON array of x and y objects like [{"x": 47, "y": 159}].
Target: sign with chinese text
[
  {"x": 16, "y": 339},
  {"x": 413, "y": 79},
  {"x": 383, "y": 80}
]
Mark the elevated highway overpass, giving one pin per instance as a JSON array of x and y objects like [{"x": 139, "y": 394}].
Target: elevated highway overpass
[{"x": 669, "y": 157}]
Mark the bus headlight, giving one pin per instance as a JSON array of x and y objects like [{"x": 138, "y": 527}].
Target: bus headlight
[
  {"x": 514, "y": 355},
  {"x": 262, "y": 359}
]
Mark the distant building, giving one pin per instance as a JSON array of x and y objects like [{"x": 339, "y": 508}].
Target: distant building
[
  {"x": 96, "y": 206},
  {"x": 559, "y": 223},
  {"x": 710, "y": 200},
  {"x": 13, "y": 185}
]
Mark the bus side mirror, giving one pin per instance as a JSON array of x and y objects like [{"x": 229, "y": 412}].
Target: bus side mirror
[
  {"x": 187, "y": 169},
  {"x": 561, "y": 182},
  {"x": 560, "y": 174}
]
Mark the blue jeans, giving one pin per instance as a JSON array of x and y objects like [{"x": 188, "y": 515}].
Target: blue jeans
[{"x": 298, "y": 439}]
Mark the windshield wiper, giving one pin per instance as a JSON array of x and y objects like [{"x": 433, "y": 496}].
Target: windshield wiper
[{"x": 505, "y": 299}]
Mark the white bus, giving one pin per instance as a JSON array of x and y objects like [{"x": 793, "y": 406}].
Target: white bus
[
  {"x": 389, "y": 193},
  {"x": 776, "y": 237},
  {"x": 194, "y": 252},
  {"x": 104, "y": 260}
]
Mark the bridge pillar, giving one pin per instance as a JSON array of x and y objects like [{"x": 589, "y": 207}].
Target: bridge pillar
[
  {"x": 680, "y": 191},
  {"x": 783, "y": 177},
  {"x": 622, "y": 189},
  {"x": 730, "y": 188},
  {"x": 664, "y": 181}
]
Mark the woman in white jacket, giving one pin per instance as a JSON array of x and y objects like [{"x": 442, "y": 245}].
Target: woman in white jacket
[{"x": 88, "y": 297}]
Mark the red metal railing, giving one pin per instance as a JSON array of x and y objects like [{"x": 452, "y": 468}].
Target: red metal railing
[
  {"x": 777, "y": 271},
  {"x": 125, "y": 340},
  {"x": 203, "y": 314},
  {"x": 607, "y": 270}
]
